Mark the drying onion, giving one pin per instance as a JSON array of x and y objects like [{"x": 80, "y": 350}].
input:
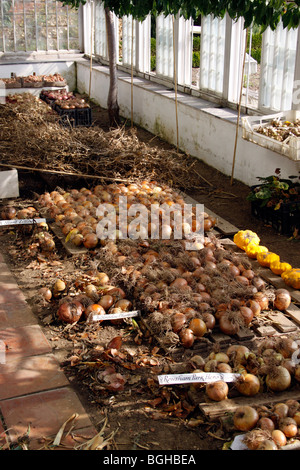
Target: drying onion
[
  {"x": 245, "y": 418},
  {"x": 281, "y": 409},
  {"x": 282, "y": 299},
  {"x": 266, "y": 424},
  {"x": 248, "y": 385},
  {"x": 279, "y": 437},
  {"x": 268, "y": 444},
  {"x": 198, "y": 327},
  {"x": 217, "y": 391},
  {"x": 278, "y": 379},
  {"x": 288, "y": 426},
  {"x": 186, "y": 337},
  {"x": 70, "y": 311}
]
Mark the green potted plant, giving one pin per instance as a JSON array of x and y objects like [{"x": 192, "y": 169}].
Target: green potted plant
[{"x": 276, "y": 201}]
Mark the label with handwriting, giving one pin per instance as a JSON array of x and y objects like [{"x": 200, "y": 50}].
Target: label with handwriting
[
  {"x": 21, "y": 221},
  {"x": 116, "y": 316},
  {"x": 197, "y": 377}
]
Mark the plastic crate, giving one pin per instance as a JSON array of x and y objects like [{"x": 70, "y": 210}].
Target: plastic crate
[
  {"x": 83, "y": 117},
  {"x": 284, "y": 220},
  {"x": 67, "y": 117},
  {"x": 290, "y": 147}
]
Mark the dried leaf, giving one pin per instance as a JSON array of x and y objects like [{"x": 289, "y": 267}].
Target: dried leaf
[{"x": 59, "y": 435}]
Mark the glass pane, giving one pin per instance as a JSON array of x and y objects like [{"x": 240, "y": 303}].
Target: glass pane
[
  {"x": 62, "y": 36},
  {"x": 74, "y": 44},
  {"x": 20, "y": 33},
  {"x": 42, "y": 38},
  {"x": 52, "y": 39}
]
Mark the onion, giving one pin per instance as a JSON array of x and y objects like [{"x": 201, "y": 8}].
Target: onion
[
  {"x": 91, "y": 291},
  {"x": 230, "y": 322},
  {"x": 248, "y": 385},
  {"x": 268, "y": 444},
  {"x": 179, "y": 283},
  {"x": 217, "y": 391},
  {"x": 236, "y": 353},
  {"x": 90, "y": 240},
  {"x": 266, "y": 424},
  {"x": 198, "y": 327},
  {"x": 259, "y": 283},
  {"x": 297, "y": 373},
  {"x": 178, "y": 321},
  {"x": 278, "y": 379},
  {"x": 296, "y": 417},
  {"x": 210, "y": 365},
  {"x": 46, "y": 293},
  {"x": 124, "y": 305},
  {"x": 106, "y": 301},
  {"x": 70, "y": 311},
  {"x": 224, "y": 368},
  {"x": 281, "y": 409},
  {"x": 255, "y": 438},
  {"x": 282, "y": 299},
  {"x": 209, "y": 320},
  {"x": 255, "y": 307},
  {"x": 294, "y": 406},
  {"x": 186, "y": 337},
  {"x": 94, "y": 309},
  {"x": 262, "y": 300},
  {"x": 219, "y": 357},
  {"x": 287, "y": 347},
  {"x": 288, "y": 426},
  {"x": 245, "y": 418},
  {"x": 247, "y": 314},
  {"x": 102, "y": 279},
  {"x": 279, "y": 437}
]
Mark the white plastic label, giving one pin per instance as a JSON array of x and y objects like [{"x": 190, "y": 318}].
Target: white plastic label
[
  {"x": 116, "y": 316},
  {"x": 197, "y": 377},
  {"x": 21, "y": 221}
]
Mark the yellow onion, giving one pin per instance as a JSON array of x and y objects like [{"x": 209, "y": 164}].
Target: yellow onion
[
  {"x": 217, "y": 391},
  {"x": 245, "y": 418}
]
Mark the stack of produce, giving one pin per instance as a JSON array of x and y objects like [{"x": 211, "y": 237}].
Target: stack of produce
[{"x": 250, "y": 243}]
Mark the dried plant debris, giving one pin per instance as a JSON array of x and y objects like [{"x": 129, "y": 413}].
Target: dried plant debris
[{"x": 30, "y": 135}]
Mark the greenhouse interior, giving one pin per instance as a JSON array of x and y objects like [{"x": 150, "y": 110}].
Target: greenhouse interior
[{"x": 150, "y": 227}]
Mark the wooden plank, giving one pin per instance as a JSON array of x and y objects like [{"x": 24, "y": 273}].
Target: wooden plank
[
  {"x": 294, "y": 312},
  {"x": 215, "y": 410},
  {"x": 71, "y": 249},
  {"x": 282, "y": 322}
]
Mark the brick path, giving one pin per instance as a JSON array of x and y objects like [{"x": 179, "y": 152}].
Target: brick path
[{"x": 35, "y": 395}]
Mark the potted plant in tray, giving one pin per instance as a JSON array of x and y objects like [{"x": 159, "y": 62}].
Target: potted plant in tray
[{"x": 276, "y": 201}]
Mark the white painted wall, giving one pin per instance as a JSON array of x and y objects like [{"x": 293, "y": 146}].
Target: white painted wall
[{"x": 205, "y": 131}]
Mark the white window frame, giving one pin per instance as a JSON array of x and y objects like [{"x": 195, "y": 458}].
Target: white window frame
[{"x": 37, "y": 48}]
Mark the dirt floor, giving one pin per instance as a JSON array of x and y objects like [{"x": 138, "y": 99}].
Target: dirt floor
[{"x": 141, "y": 416}]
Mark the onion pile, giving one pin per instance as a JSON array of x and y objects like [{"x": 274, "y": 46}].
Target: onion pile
[
  {"x": 268, "y": 369},
  {"x": 195, "y": 290},
  {"x": 92, "y": 295},
  {"x": 268, "y": 428}
]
